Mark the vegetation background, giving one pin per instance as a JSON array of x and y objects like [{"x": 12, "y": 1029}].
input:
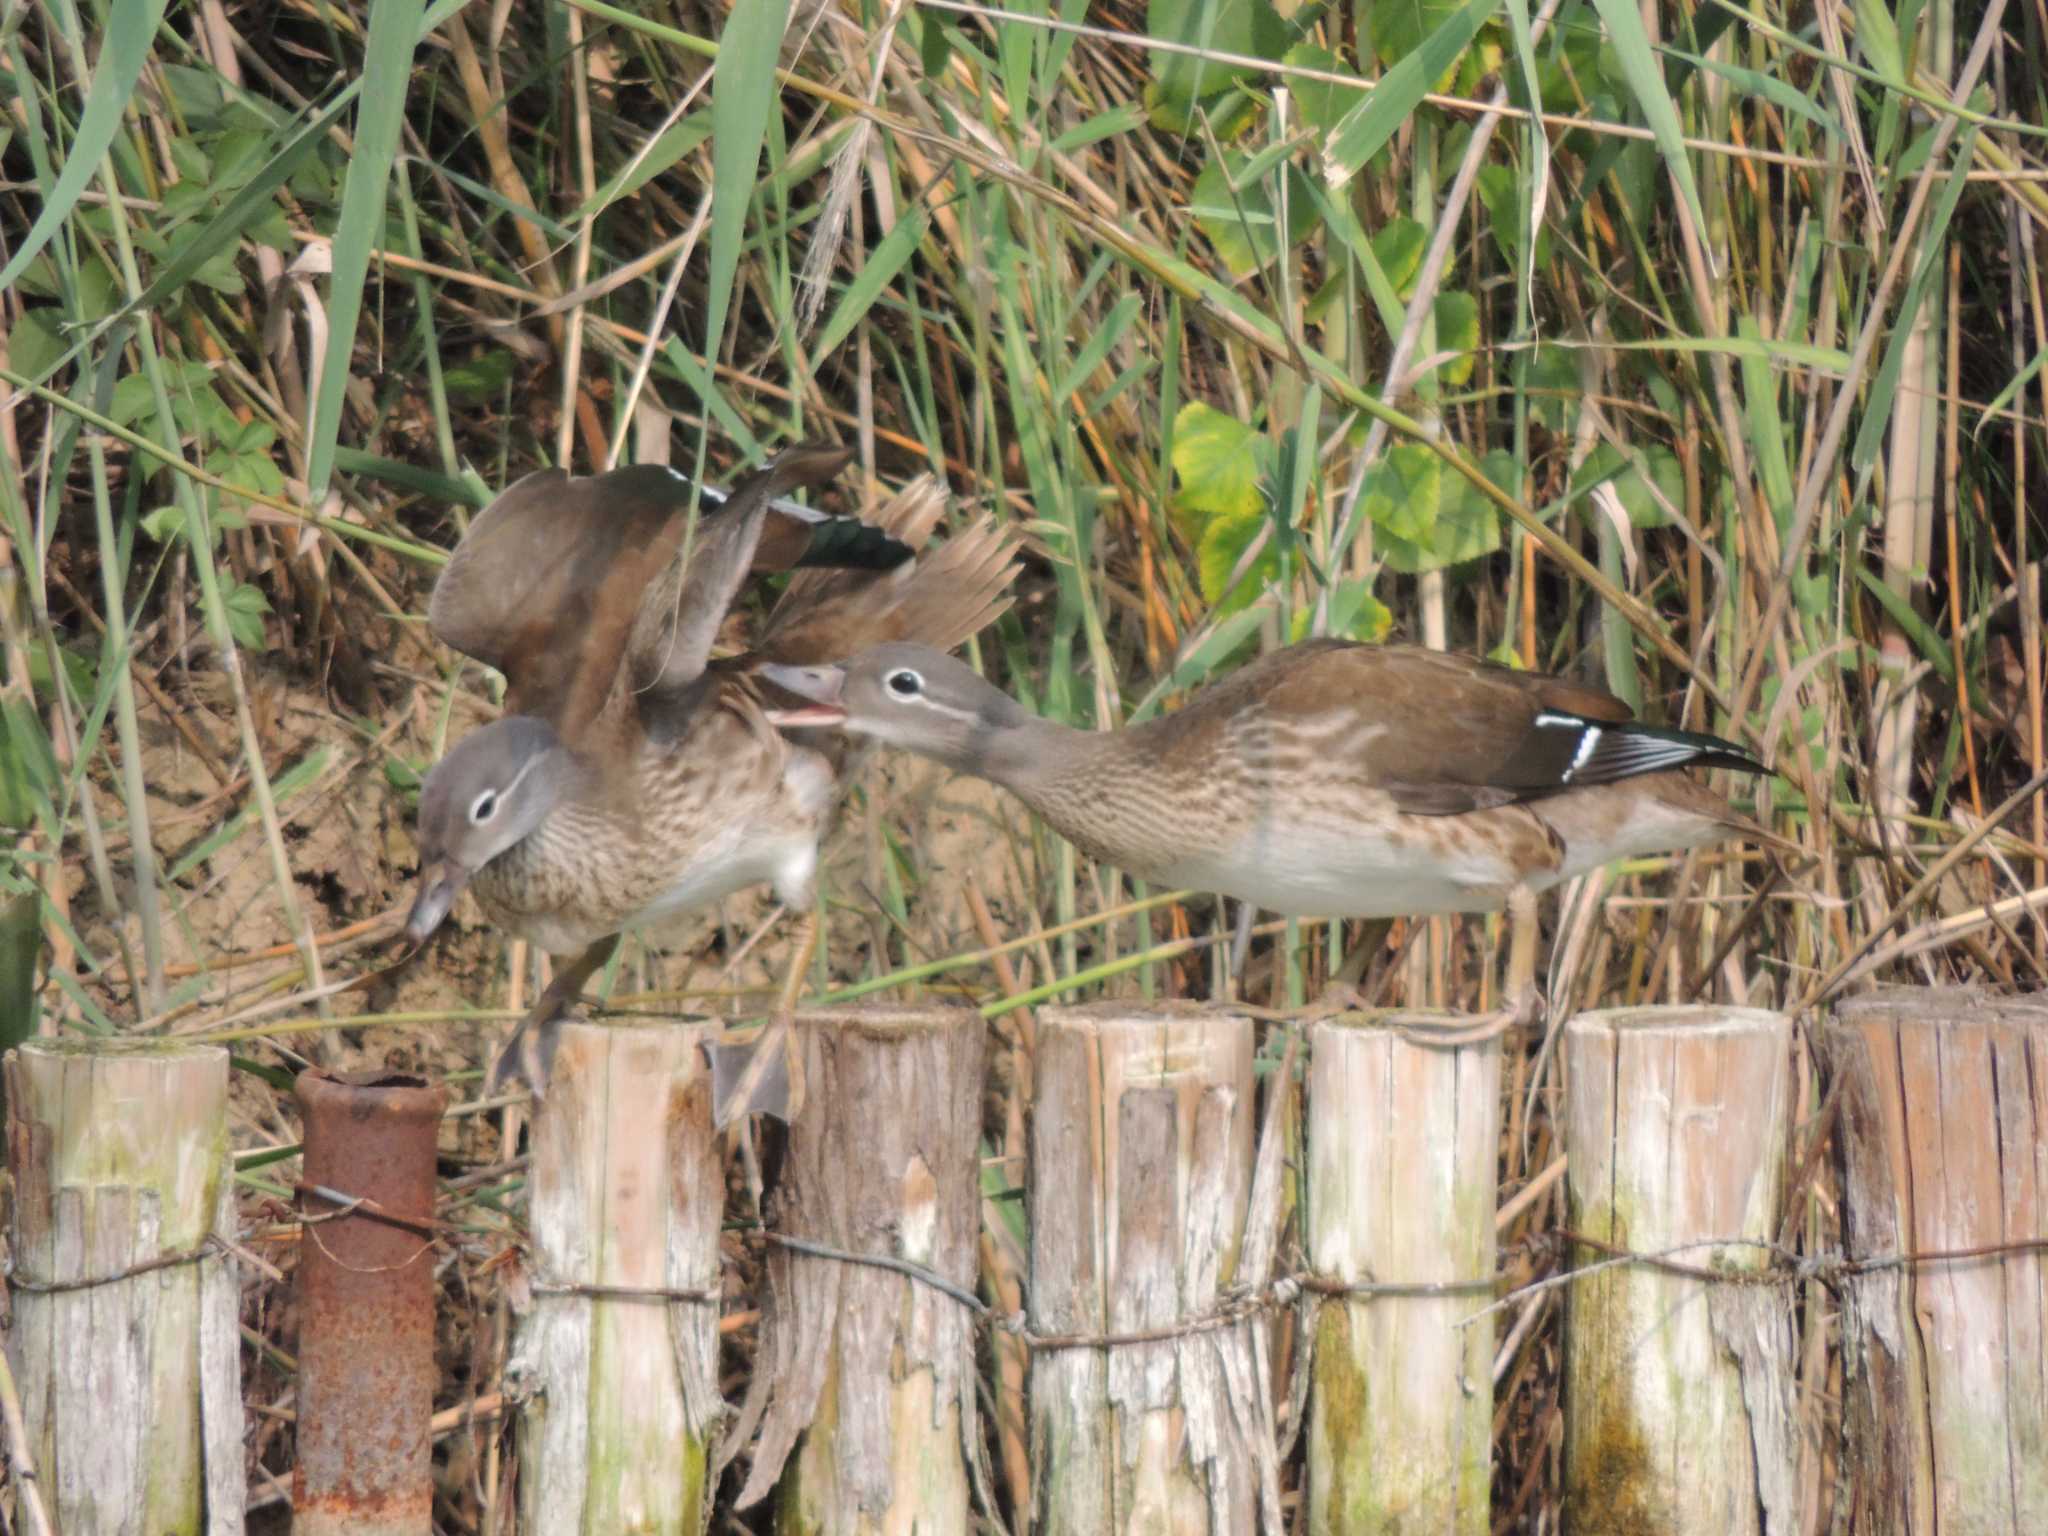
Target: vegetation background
[{"x": 1696, "y": 350}]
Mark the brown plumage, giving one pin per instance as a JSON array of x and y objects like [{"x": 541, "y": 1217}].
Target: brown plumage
[
  {"x": 1327, "y": 779},
  {"x": 637, "y": 776}
]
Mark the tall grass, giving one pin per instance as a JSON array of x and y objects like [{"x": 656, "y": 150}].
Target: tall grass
[{"x": 1701, "y": 358}]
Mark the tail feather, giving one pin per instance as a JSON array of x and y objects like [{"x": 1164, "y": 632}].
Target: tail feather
[
  {"x": 1623, "y": 751},
  {"x": 948, "y": 594}
]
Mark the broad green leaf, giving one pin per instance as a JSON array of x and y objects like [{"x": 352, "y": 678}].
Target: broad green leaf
[
  {"x": 247, "y": 607},
  {"x": 1216, "y": 460},
  {"x": 1427, "y": 519},
  {"x": 1398, "y": 28},
  {"x": 1457, "y": 330},
  {"x": 35, "y": 346},
  {"x": 1181, "y": 82},
  {"x": 1400, "y": 245},
  {"x": 1355, "y": 614},
  {"x": 1224, "y": 542},
  {"x": 1645, "y": 510},
  {"x": 1242, "y": 225},
  {"x": 1374, "y": 120},
  {"x": 1500, "y": 189},
  {"x": 1404, "y": 491},
  {"x": 1322, "y": 105}
]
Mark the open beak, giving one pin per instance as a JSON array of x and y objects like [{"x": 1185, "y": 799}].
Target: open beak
[
  {"x": 823, "y": 686},
  {"x": 440, "y": 883}
]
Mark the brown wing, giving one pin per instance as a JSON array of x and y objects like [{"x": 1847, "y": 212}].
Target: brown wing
[
  {"x": 1440, "y": 732},
  {"x": 682, "y": 610},
  {"x": 545, "y": 584},
  {"x": 942, "y": 599},
  {"x": 549, "y": 582}
]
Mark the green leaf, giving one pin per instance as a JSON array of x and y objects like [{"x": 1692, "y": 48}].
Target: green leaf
[
  {"x": 1243, "y": 225},
  {"x": 1457, "y": 330},
  {"x": 393, "y": 30},
  {"x": 1427, "y": 519},
  {"x": 1322, "y": 105},
  {"x": 1181, "y": 82},
  {"x": 125, "y": 40},
  {"x": 35, "y": 346},
  {"x": 1607, "y": 463},
  {"x": 1645, "y": 78},
  {"x": 934, "y": 52},
  {"x": 1400, "y": 244},
  {"x": 480, "y": 379},
  {"x": 1877, "y": 36},
  {"x": 1367, "y": 127},
  {"x": 1216, "y": 460},
  {"x": 247, "y": 607},
  {"x": 1932, "y": 648},
  {"x": 164, "y": 524},
  {"x": 1398, "y": 27},
  {"x": 743, "y": 93},
  {"x": 1224, "y": 542},
  {"x": 888, "y": 258},
  {"x": 1354, "y": 614},
  {"x": 677, "y": 141}
]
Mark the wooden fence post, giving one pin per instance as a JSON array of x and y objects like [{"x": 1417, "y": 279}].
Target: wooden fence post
[
  {"x": 1141, "y": 1165},
  {"x": 618, "y": 1387},
  {"x": 1943, "y": 1146},
  {"x": 873, "y": 1371},
  {"x": 1403, "y": 1159},
  {"x": 1678, "y": 1387},
  {"x": 130, "y": 1387}
]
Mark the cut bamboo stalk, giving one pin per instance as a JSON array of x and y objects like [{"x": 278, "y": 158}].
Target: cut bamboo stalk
[
  {"x": 124, "y": 1341},
  {"x": 1403, "y": 1151},
  {"x": 1141, "y": 1164},
  {"x": 872, "y": 1370},
  {"x": 620, "y": 1408},
  {"x": 1943, "y": 1143},
  {"x": 364, "y": 1463},
  {"x": 1678, "y": 1390}
]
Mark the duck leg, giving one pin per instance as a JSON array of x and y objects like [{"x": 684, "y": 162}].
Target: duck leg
[
  {"x": 529, "y": 1051},
  {"x": 1522, "y": 999},
  {"x": 766, "y": 1073}
]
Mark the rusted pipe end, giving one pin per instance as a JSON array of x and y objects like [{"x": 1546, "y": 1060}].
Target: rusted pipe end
[{"x": 366, "y": 1304}]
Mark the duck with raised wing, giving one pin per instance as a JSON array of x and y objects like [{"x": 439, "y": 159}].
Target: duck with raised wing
[
  {"x": 1326, "y": 779},
  {"x": 634, "y": 775}
]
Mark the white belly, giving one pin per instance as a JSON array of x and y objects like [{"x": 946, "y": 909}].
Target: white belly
[{"x": 1300, "y": 868}]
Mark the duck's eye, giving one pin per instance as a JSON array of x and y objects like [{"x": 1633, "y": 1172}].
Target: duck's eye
[
  {"x": 484, "y": 807},
  {"x": 904, "y": 683}
]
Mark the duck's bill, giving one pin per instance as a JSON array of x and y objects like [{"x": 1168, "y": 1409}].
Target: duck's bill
[
  {"x": 440, "y": 884},
  {"x": 820, "y": 687}
]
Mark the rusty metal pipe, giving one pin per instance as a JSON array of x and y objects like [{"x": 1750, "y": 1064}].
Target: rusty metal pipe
[{"x": 366, "y": 1305}]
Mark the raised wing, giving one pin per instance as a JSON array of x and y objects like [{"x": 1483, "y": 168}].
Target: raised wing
[{"x": 563, "y": 578}]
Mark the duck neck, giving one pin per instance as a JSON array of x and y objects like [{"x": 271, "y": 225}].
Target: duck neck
[{"x": 1031, "y": 756}]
